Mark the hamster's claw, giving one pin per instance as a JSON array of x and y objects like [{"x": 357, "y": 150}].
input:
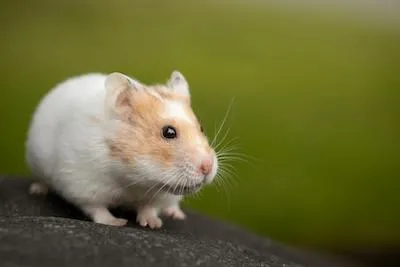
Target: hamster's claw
[
  {"x": 175, "y": 213},
  {"x": 147, "y": 217},
  {"x": 152, "y": 222}
]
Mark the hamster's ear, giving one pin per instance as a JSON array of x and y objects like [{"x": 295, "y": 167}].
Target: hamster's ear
[
  {"x": 117, "y": 81},
  {"x": 178, "y": 84},
  {"x": 118, "y": 90}
]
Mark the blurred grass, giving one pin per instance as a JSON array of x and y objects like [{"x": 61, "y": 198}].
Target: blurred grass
[{"x": 317, "y": 102}]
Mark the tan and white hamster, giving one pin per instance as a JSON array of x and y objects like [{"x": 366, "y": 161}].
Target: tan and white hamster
[{"x": 104, "y": 140}]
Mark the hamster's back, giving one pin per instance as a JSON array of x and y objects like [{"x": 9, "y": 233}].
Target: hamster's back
[{"x": 70, "y": 99}]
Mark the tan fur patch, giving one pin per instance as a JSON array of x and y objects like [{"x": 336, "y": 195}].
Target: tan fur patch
[{"x": 141, "y": 132}]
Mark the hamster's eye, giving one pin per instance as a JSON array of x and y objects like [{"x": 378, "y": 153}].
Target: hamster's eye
[
  {"x": 169, "y": 132},
  {"x": 201, "y": 128}
]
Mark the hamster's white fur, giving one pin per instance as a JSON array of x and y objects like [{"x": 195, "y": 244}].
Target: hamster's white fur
[{"x": 67, "y": 151}]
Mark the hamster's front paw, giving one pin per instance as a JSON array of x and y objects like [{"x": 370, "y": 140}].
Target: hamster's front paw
[
  {"x": 175, "y": 212},
  {"x": 114, "y": 222},
  {"x": 148, "y": 217},
  {"x": 101, "y": 215}
]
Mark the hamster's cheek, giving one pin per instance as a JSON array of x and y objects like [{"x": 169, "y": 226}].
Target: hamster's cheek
[
  {"x": 160, "y": 153},
  {"x": 151, "y": 169}
]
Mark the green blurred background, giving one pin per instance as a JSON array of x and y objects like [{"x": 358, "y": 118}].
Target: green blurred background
[{"x": 316, "y": 101}]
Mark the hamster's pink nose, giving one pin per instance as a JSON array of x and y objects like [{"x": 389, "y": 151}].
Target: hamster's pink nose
[{"x": 206, "y": 166}]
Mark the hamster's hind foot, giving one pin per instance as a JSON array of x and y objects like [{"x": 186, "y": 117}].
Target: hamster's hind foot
[
  {"x": 38, "y": 188},
  {"x": 102, "y": 215},
  {"x": 115, "y": 222}
]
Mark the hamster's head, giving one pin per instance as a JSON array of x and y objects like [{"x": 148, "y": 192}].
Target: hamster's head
[{"x": 156, "y": 136}]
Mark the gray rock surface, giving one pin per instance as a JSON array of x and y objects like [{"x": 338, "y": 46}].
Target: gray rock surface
[{"x": 47, "y": 231}]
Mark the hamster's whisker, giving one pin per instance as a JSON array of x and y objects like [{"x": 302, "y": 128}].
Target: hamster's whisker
[
  {"x": 233, "y": 158},
  {"x": 222, "y": 140},
  {"x": 226, "y": 169},
  {"x": 156, "y": 184},
  {"x": 215, "y": 139},
  {"x": 171, "y": 178},
  {"x": 229, "y": 154},
  {"x": 228, "y": 149},
  {"x": 230, "y": 145},
  {"x": 232, "y": 148},
  {"x": 165, "y": 180},
  {"x": 180, "y": 189},
  {"x": 227, "y": 145},
  {"x": 160, "y": 189},
  {"x": 230, "y": 170},
  {"x": 224, "y": 163},
  {"x": 215, "y": 129},
  {"x": 182, "y": 186},
  {"x": 225, "y": 152},
  {"x": 222, "y": 184},
  {"x": 165, "y": 183},
  {"x": 152, "y": 187},
  {"x": 198, "y": 194},
  {"x": 128, "y": 185},
  {"x": 223, "y": 121},
  {"x": 178, "y": 182},
  {"x": 186, "y": 184},
  {"x": 228, "y": 176},
  {"x": 219, "y": 182}
]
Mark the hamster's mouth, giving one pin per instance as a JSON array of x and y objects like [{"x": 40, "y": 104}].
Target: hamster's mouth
[{"x": 178, "y": 189}]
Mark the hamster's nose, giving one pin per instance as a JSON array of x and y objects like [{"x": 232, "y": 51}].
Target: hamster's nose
[{"x": 206, "y": 166}]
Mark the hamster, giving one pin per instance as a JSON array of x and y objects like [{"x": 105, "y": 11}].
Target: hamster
[{"x": 107, "y": 140}]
